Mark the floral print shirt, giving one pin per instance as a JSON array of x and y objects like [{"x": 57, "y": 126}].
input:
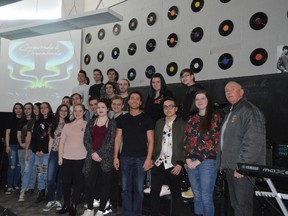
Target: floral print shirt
[{"x": 202, "y": 144}]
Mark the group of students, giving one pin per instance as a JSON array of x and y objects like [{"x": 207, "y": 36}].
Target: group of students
[{"x": 119, "y": 136}]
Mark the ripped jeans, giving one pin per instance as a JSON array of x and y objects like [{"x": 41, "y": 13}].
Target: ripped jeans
[
  {"x": 13, "y": 175},
  {"x": 41, "y": 164}
]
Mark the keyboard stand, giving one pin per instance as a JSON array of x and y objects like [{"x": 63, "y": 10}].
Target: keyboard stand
[{"x": 274, "y": 194}]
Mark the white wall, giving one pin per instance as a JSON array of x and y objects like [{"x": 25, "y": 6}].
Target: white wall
[{"x": 240, "y": 43}]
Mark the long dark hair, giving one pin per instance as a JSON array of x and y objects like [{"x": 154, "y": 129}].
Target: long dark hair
[
  {"x": 50, "y": 113},
  {"x": 206, "y": 124},
  {"x": 13, "y": 110},
  {"x": 24, "y": 117},
  {"x": 163, "y": 88},
  {"x": 56, "y": 119}
]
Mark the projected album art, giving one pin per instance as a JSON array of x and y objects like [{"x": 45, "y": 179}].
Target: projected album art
[{"x": 39, "y": 69}]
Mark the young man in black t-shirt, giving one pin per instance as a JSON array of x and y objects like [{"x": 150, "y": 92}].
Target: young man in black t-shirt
[{"x": 136, "y": 130}]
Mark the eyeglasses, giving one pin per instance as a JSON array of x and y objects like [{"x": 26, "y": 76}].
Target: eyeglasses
[{"x": 169, "y": 107}]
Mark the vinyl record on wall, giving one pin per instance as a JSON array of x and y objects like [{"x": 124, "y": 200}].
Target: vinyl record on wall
[
  {"x": 258, "y": 56},
  {"x": 133, "y": 24},
  {"x": 150, "y": 70},
  {"x": 172, "y": 40},
  {"x": 87, "y": 59},
  {"x": 197, "y": 5},
  {"x": 101, "y": 34},
  {"x": 132, "y": 49},
  {"x": 196, "y": 65},
  {"x": 115, "y": 53},
  {"x": 100, "y": 56},
  {"x": 116, "y": 29},
  {"x": 258, "y": 21},
  {"x": 150, "y": 45},
  {"x": 226, "y": 27},
  {"x": 88, "y": 38},
  {"x": 172, "y": 12},
  {"x": 224, "y": 1},
  {"x": 131, "y": 74},
  {"x": 171, "y": 69},
  {"x": 151, "y": 18},
  {"x": 197, "y": 34},
  {"x": 225, "y": 61}
]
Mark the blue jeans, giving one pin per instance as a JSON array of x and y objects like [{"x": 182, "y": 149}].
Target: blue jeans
[
  {"x": 41, "y": 170},
  {"x": 29, "y": 174},
  {"x": 54, "y": 177},
  {"x": 202, "y": 181},
  {"x": 132, "y": 175},
  {"x": 21, "y": 153},
  {"x": 13, "y": 175}
]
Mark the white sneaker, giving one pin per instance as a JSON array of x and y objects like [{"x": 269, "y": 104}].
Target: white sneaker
[
  {"x": 96, "y": 204},
  {"x": 22, "y": 196},
  {"x": 49, "y": 206},
  {"x": 147, "y": 190},
  {"x": 88, "y": 212},
  {"x": 108, "y": 208},
  {"x": 58, "y": 205},
  {"x": 165, "y": 190},
  {"x": 99, "y": 213}
]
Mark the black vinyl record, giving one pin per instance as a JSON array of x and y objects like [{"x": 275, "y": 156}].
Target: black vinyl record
[
  {"x": 150, "y": 45},
  {"x": 87, "y": 59},
  {"x": 258, "y": 21},
  {"x": 224, "y": 1},
  {"x": 225, "y": 61},
  {"x": 172, "y": 40},
  {"x": 226, "y": 27},
  {"x": 196, "y": 65},
  {"x": 101, "y": 34},
  {"x": 151, "y": 19},
  {"x": 171, "y": 69},
  {"x": 197, "y": 5},
  {"x": 116, "y": 29},
  {"x": 115, "y": 53},
  {"x": 132, "y": 49},
  {"x": 150, "y": 70},
  {"x": 131, "y": 74},
  {"x": 100, "y": 56},
  {"x": 173, "y": 12},
  {"x": 88, "y": 38},
  {"x": 258, "y": 56},
  {"x": 133, "y": 24},
  {"x": 197, "y": 34}
]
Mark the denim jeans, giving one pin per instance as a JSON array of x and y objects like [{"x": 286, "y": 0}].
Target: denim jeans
[
  {"x": 21, "y": 153},
  {"x": 13, "y": 175},
  {"x": 202, "y": 181},
  {"x": 29, "y": 174},
  {"x": 54, "y": 177},
  {"x": 41, "y": 169},
  {"x": 132, "y": 175}
]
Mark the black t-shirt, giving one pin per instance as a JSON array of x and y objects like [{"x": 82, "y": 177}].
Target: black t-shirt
[
  {"x": 40, "y": 135},
  {"x": 12, "y": 125},
  {"x": 22, "y": 126},
  {"x": 95, "y": 90},
  {"x": 134, "y": 132}
]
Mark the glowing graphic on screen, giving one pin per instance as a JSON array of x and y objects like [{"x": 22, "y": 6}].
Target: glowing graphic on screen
[
  {"x": 26, "y": 55},
  {"x": 41, "y": 68}
]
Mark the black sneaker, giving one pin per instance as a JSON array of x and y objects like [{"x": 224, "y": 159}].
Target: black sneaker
[
  {"x": 107, "y": 210},
  {"x": 9, "y": 191}
]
